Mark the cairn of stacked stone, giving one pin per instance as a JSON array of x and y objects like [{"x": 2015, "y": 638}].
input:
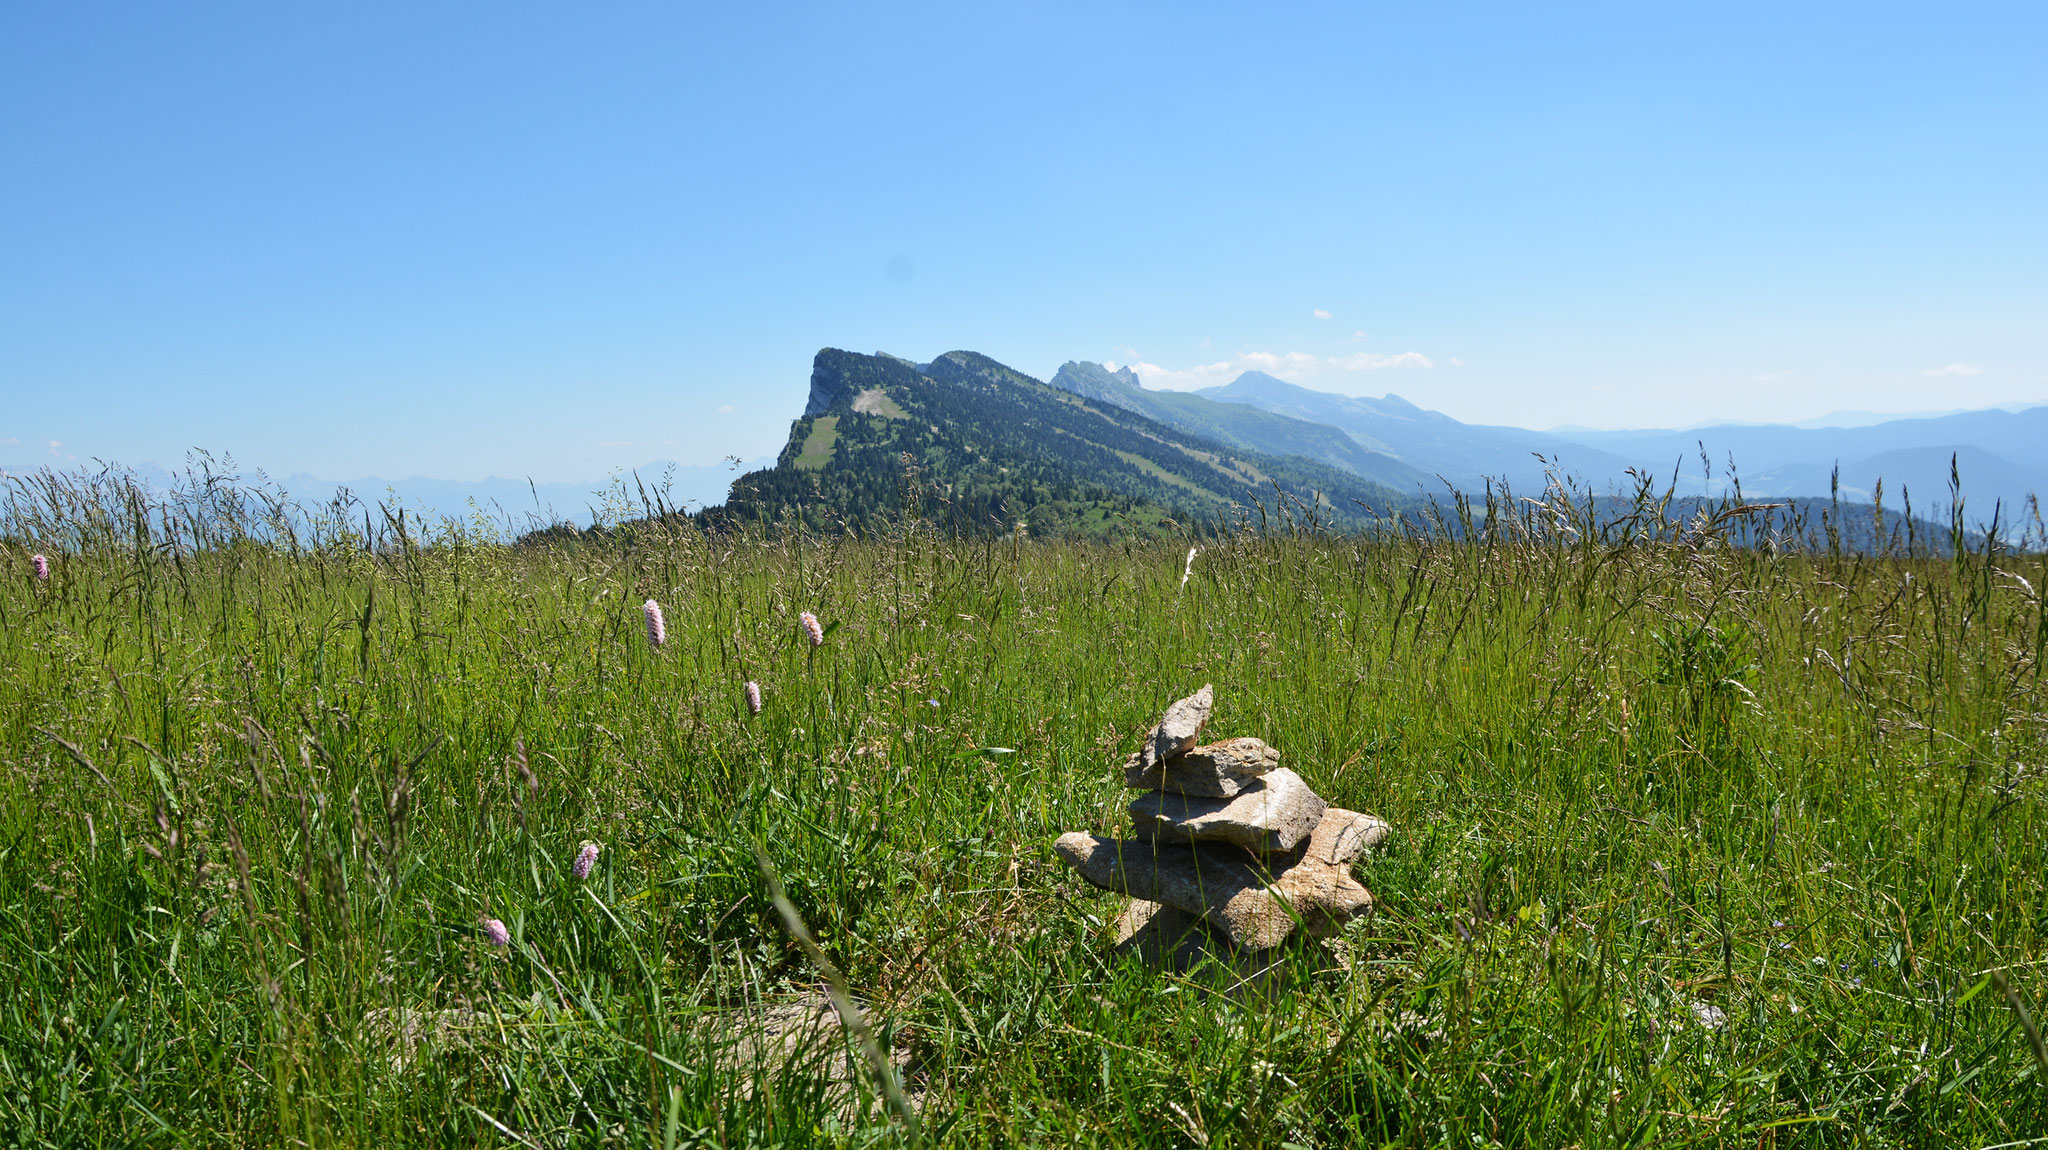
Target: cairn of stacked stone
[{"x": 1231, "y": 848}]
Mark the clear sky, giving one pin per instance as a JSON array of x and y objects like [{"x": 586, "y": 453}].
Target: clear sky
[{"x": 550, "y": 240}]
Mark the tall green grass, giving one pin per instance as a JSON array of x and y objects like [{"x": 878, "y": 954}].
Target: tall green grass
[{"x": 1694, "y": 843}]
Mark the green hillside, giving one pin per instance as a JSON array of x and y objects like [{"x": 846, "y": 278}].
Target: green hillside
[{"x": 978, "y": 446}]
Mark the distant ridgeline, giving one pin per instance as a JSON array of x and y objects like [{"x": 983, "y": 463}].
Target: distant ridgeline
[
  {"x": 969, "y": 445},
  {"x": 973, "y": 446}
]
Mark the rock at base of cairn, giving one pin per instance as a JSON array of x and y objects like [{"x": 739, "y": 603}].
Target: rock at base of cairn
[
  {"x": 1253, "y": 907},
  {"x": 1273, "y": 816}
]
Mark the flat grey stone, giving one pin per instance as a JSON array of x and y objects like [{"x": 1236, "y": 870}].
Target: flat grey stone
[
  {"x": 1275, "y": 814},
  {"x": 1214, "y": 770},
  {"x": 1218, "y": 884},
  {"x": 1178, "y": 728},
  {"x": 1252, "y": 909}
]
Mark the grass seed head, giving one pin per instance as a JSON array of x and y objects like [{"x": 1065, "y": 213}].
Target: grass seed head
[{"x": 524, "y": 769}]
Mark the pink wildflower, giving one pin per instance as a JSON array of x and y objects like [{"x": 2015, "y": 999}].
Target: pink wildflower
[
  {"x": 42, "y": 565},
  {"x": 753, "y": 697},
  {"x": 815, "y": 633},
  {"x": 495, "y": 932},
  {"x": 657, "y": 631},
  {"x": 585, "y": 859}
]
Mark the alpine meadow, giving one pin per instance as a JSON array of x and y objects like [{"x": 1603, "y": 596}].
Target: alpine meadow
[
  {"x": 1062, "y": 576},
  {"x": 330, "y": 826}
]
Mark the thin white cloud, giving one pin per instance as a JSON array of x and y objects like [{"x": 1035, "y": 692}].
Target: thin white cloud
[
  {"x": 10, "y": 441},
  {"x": 1367, "y": 361},
  {"x": 1281, "y": 363},
  {"x": 54, "y": 445},
  {"x": 1186, "y": 379},
  {"x": 1953, "y": 369},
  {"x": 1293, "y": 366},
  {"x": 1321, "y": 314},
  {"x": 725, "y": 409}
]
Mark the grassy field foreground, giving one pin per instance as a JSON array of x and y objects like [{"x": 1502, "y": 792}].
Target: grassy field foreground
[{"x": 1692, "y": 843}]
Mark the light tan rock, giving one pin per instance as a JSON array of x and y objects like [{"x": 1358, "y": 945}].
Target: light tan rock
[
  {"x": 763, "y": 1043},
  {"x": 1178, "y": 728},
  {"x": 1344, "y": 835},
  {"x": 1275, "y": 814},
  {"x": 1213, "y": 770},
  {"x": 1326, "y": 897}
]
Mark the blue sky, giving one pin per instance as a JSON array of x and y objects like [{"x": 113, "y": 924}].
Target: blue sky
[{"x": 553, "y": 240}]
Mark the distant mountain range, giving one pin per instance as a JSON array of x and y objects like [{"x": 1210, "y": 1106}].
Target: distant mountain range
[
  {"x": 2001, "y": 456},
  {"x": 1446, "y": 452},
  {"x": 517, "y": 502},
  {"x": 1274, "y": 431},
  {"x": 979, "y": 446},
  {"x": 678, "y": 486}
]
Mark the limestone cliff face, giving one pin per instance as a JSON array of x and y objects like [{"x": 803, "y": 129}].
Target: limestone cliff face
[
  {"x": 837, "y": 377},
  {"x": 1094, "y": 381}
]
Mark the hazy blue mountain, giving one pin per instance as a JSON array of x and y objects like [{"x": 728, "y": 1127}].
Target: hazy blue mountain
[
  {"x": 1238, "y": 425},
  {"x": 1921, "y": 471},
  {"x": 2018, "y": 436},
  {"x": 2001, "y": 455},
  {"x": 676, "y": 486},
  {"x": 518, "y": 502},
  {"x": 1463, "y": 454}
]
